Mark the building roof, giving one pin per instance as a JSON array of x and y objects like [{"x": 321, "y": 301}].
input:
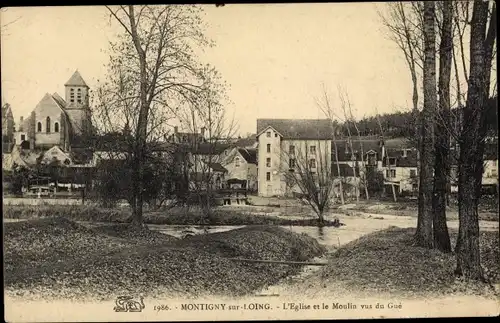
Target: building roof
[
  {"x": 209, "y": 148},
  {"x": 217, "y": 167},
  {"x": 344, "y": 148},
  {"x": 298, "y": 129},
  {"x": 59, "y": 100},
  {"x": 245, "y": 142},
  {"x": 76, "y": 80},
  {"x": 188, "y": 137},
  {"x": 250, "y": 155}
]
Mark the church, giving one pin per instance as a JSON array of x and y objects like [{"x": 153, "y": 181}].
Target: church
[{"x": 57, "y": 121}]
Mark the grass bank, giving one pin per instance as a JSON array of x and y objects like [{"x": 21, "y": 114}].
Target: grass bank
[
  {"x": 388, "y": 262},
  {"x": 58, "y": 258},
  {"x": 487, "y": 212},
  {"x": 173, "y": 216}
]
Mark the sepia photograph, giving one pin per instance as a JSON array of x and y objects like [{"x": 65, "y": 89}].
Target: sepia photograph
[{"x": 232, "y": 162}]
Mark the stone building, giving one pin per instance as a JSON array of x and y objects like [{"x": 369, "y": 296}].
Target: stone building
[{"x": 57, "y": 121}]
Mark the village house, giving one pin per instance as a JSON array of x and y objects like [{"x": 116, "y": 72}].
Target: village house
[
  {"x": 241, "y": 166},
  {"x": 284, "y": 142},
  {"x": 490, "y": 164},
  {"x": 394, "y": 158}
]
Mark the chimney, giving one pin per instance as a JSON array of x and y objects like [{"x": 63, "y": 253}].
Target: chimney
[{"x": 405, "y": 153}]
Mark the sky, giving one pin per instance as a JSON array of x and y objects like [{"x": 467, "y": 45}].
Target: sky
[{"x": 277, "y": 58}]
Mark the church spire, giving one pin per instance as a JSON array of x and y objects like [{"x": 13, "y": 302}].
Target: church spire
[{"x": 76, "y": 80}]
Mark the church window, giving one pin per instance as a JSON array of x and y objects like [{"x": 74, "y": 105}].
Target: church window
[
  {"x": 79, "y": 96},
  {"x": 39, "y": 127},
  {"x": 47, "y": 128},
  {"x": 72, "y": 95},
  {"x": 56, "y": 127}
]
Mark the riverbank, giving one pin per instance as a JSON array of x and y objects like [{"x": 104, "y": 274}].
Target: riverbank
[
  {"x": 388, "y": 265},
  {"x": 173, "y": 216},
  {"x": 56, "y": 258}
]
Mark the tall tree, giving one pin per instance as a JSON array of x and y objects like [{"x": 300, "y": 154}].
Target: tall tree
[
  {"x": 210, "y": 127},
  {"x": 308, "y": 167},
  {"x": 155, "y": 55},
  {"x": 472, "y": 140},
  {"x": 442, "y": 143},
  {"x": 423, "y": 234},
  {"x": 329, "y": 112}
]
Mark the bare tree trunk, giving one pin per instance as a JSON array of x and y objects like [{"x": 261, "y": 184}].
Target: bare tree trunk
[
  {"x": 341, "y": 189},
  {"x": 441, "y": 162},
  {"x": 472, "y": 143},
  {"x": 141, "y": 132},
  {"x": 423, "y": 235}
]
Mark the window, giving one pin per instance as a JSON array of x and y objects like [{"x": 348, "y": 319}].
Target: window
[
  {"x": 414, "y": 187},
  {"x": 268, "y": 134},
  {"x": 39, "y": 127},
  {"x": 56, "y": 127},
  {"x": 237, "y": 162},
  {"x": 47, "y": 127},
  {"x": 312, "y": 163},
  {"x": 23, "y": 137},
  {"x": 268, "y": 162},
  {"x": 268, "y": 148},
  {"x": 268, "y": 176},
  {"x": 79, "y": 96},
  {"x": 392, "y": 161},
  {"x": 413, "y": 173},
  {"x": 291, "y": 163},
  {"x": 292, "y": 150},
  {"x": 390, "y": 173},
  {"x": 312, "y": 149},
  {"x": 72, "y": 95},
  {"x": 276, "y": 135}
]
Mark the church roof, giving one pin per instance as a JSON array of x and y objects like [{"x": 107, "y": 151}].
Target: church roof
[
  {"x": 76, "y": 80},
  {"x": 59, "y": 100}
]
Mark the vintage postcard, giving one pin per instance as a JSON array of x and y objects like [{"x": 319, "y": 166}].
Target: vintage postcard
[{"x": 250, "y": 161}]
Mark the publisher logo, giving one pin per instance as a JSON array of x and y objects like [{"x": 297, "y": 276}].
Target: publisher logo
[{"x": 129, "y": 304}]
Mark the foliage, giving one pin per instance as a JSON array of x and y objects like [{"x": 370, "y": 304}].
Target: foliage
[
  {"x": 375, "y": 181},
  {"x": 19, "y": 177},
  {"x": 113, "y": 181}
]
